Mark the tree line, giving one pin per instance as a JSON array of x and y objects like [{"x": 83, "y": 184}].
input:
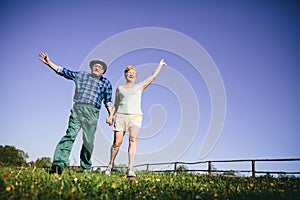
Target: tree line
[{"x": 10, "y": 156}]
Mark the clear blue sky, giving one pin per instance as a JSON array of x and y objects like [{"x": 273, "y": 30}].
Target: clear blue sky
[{"x": 254, "y": 44}]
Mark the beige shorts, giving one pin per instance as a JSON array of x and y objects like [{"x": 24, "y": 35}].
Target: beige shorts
[{"x": 123, "y": 122}]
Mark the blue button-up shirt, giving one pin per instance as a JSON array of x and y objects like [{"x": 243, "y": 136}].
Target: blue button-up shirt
[{"x": 89, "y": 89}]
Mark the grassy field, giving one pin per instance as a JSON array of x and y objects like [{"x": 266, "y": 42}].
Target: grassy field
[{"x": 35, "y": 183}]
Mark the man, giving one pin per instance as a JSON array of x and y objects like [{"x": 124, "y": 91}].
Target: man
[{"x": 90, "y": 90}]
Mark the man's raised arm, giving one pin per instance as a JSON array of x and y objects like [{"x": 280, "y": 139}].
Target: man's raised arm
[{"x": 45, "y": 59}]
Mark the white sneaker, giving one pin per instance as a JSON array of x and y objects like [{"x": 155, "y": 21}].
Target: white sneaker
[
  {"x": 108, "y": 171},
  {"x": 130, "y": 172}
]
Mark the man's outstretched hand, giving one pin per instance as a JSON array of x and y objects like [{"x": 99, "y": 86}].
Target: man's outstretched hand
[{"x": 44, "y": 58}]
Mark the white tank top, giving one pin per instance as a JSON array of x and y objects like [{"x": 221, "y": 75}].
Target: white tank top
[{"x": 130, "y": 100}]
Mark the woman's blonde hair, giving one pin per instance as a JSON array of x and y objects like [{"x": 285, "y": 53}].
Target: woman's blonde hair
[{"x": 128, "y": 68}]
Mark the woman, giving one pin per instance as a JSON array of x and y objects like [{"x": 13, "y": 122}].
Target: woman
[{"x": 128, "y": 114}]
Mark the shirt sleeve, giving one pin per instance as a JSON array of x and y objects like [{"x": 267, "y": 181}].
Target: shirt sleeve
[
  {"x": 108, "y": 95},
  {"x": 68, "y": 74}
]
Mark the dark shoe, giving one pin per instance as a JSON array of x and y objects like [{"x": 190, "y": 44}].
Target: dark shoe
[{"x": 55, "y": 169}]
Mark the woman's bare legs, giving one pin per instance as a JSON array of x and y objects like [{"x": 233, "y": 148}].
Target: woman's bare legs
[
  {"x": 132, "y": 149},
  {"x": 118, "y": 139}
]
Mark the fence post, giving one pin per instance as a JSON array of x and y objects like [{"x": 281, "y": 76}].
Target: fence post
[
  {"x": 175, "y": 166},
  {"x": 253, "y": 168},
  {"x": 209, "y": 167},
  {"x": 147, "y": 167}
]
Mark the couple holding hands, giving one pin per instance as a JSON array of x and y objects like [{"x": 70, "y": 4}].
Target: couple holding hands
[{"x": 91, "y": 89}]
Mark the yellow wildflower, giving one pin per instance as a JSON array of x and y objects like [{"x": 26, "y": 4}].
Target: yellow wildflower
[
  {"x": 251, "y": 184},
  {"x": 8, "y": 188},
  {"x": 281, "y": 190},
  {"x": 73, "y": 190},
  {"x": 211, "y": 182},
  {"x": 272, "y": 184},
  {"x": 172, "y": 181},
  {"x": 113, "y": 186},
  {"x": 216, "y": 195}
]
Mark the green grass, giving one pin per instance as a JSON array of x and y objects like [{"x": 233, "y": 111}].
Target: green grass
[{"x": 35, "y": 183}]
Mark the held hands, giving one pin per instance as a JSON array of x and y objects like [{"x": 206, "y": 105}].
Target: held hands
[
  {"x": 109, "y": 120},
  {"x": 44, "y": 58}
]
